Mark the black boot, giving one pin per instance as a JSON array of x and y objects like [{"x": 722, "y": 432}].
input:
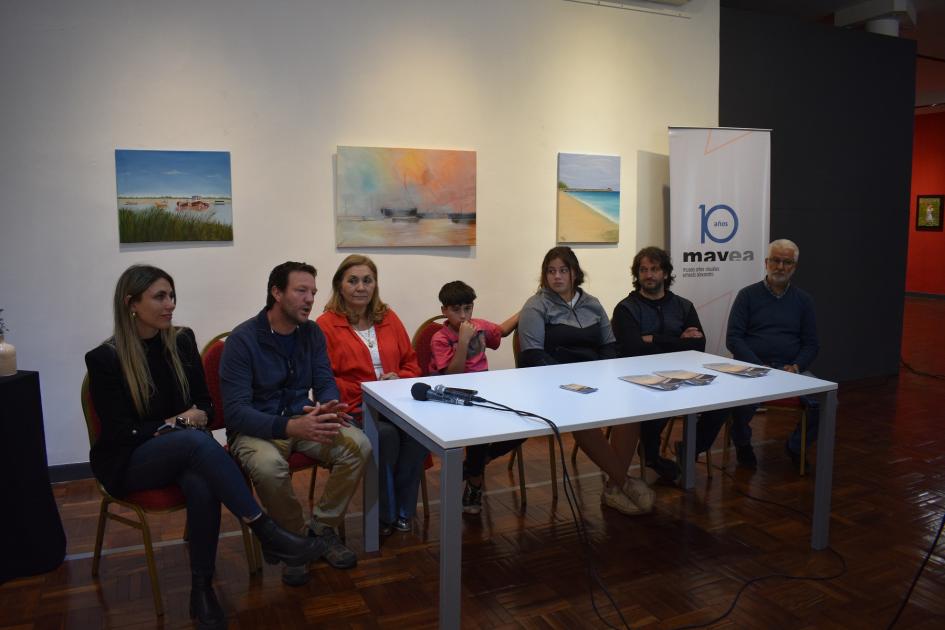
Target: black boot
[
  {"x": 204, "y": 606},
  {"x": 279, "y": 545}
]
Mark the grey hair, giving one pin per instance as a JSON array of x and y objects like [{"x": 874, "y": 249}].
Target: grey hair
[{"x": 785, "y": 243}]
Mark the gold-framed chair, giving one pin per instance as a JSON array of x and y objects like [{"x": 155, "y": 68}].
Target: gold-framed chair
[
  {"x": 142, "y": 503},
  {"x": 552, "y": 461}
]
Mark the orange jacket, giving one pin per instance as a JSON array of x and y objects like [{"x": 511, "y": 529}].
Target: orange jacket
[{"x": 351, "y": 359}]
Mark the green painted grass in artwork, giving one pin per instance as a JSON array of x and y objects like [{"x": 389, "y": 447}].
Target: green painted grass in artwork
[{"x": 155, "y": 224}]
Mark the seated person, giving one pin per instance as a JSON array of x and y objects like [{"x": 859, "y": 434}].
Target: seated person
[
  {"x": 148, "y": 390},
  {"x": 367, "y": 342},
  {"x": 563, "y": 324},
  {"x": 458, "y": 347},
  {"x": 653, "y": 320},
  {"x": 270, "y": 364},
  {"x": 772, "y": 323}
]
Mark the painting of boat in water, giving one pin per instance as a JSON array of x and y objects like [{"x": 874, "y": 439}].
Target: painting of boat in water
[
  {"x": 169, "y": 196},
  {"x": 588, "y": 198},
  {"x": 405, "y": 197}
]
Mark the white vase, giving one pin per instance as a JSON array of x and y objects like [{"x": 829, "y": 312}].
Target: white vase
[{"x": 7, "y": 358}]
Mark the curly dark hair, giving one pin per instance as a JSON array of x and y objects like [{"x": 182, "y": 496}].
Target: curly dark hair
[{"x": 657, "y": 255}]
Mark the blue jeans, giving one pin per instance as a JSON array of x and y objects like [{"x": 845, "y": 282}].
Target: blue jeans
[
  {"x": 206, "y": 474},
  {"x": 741, "y": 427},
  {"x": 401, "y": 464}
]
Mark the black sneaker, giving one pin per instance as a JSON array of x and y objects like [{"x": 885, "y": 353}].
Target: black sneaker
[
  {"x": 665, "y": 468},
  {"x": 746, "y": 457},
  {"x": 336, "y": 554},
  {"x": 796, "y": 459},
  {"x": 472, "y": 499}
]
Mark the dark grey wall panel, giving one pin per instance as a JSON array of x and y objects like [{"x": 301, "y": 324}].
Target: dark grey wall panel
[{"x": 840, "y": 104}]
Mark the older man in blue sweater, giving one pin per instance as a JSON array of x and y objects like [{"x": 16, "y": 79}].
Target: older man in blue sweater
[{"x": 772, "y": 323}]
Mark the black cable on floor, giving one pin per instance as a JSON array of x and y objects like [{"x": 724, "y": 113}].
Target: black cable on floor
[
  {"x": 594, "y": 578},
  {"x": 918, "y": 573},
  {"x": 813, "y": 578}
]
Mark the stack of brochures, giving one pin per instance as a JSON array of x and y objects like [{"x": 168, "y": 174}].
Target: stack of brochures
[
  {"x": 748, "y": 371},
  {"x": 669, "y": 380}
]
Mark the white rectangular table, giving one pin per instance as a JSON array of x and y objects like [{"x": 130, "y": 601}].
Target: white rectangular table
[{"x": 446, "y": 429}]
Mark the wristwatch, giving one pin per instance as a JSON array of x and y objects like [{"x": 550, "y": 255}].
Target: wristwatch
[{"x": 182, "y": 422}]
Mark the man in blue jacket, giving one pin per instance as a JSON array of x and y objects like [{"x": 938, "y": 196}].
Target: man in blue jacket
[
  {"x": 270, "y": 364},
  {"x": 772, "y": 323}
]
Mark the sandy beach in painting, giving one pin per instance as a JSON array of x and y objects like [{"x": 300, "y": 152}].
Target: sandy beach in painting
[{"x": 579, "y": 223}]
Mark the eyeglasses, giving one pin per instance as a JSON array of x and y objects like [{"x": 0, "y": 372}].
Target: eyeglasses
[{"x": 787, "y": 262}]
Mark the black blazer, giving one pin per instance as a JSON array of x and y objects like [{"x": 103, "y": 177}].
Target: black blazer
[{"x": 123, "y": 430}]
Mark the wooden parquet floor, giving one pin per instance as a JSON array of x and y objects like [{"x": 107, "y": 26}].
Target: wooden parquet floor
[{"x": 522, "y": 568}]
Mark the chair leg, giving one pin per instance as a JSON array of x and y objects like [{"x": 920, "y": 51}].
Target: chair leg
[
  {"x": 668, "y": 435},
  {"x": 521, "y": 475},
  {"x": 424, "y": 495},
  {"x": 726, "y": 440},
  {"x": 99, "y": 536},
  {"x": 803, "y": 440},
  {"x": 574, "y": 452},
  {"x": 708, "y": 462},
  {"x": 311, "y": 486},
  {"x": 249, "y": 548},
  {"x": 152, "y": 566},
  {"x": 512, "y": 459},
  {"x": 553, "y": 465}
]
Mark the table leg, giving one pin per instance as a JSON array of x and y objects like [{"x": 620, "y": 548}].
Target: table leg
[
  {"x": 371, "y": 506},
  {"x": 451, "y": 537},
  {"x": 820, "y": 527},
  {"x": 688, "y": 463}
]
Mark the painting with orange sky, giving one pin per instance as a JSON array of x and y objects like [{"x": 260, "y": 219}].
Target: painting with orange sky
[{"x": 405, "y": 197}]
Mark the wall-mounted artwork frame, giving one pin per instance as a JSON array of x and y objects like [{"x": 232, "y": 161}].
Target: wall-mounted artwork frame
[
  {"x": 928, "y": 212},
  {"x": 172, "y": 196},
  {"x": 588, "y": 198},
  {"x": 394, "y": 197}
]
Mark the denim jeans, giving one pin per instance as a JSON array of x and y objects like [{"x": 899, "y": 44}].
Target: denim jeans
[
  {"x": 206, "y": 474},
  {"x": 401, "y": 464}
]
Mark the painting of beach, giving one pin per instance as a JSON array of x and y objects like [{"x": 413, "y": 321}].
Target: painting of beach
[
  {"x": 168, "y": 196},
  {"x": 405, "y": 197},
  {"x": 588, "y": 198}
]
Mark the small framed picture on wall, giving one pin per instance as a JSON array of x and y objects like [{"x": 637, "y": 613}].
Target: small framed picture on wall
[{"x": 928, "y": 212}]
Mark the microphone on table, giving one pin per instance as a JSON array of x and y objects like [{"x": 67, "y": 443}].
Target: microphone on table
[
  {"x": 422, "y": 391},
  {"x": 459, "y": 392}
]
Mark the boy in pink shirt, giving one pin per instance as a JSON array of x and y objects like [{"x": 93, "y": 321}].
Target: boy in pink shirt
[{"x": 458, "y": 347}]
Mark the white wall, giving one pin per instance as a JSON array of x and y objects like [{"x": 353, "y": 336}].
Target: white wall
[{"x": 280, "y": 84}]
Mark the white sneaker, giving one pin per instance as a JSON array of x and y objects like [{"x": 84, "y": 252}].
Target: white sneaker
[
  {"x": 639, "y": 492},
  {"x": 614, "y": 497}
]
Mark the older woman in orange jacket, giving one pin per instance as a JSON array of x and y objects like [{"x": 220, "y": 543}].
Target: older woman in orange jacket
[{"x": 367, "y": 342}]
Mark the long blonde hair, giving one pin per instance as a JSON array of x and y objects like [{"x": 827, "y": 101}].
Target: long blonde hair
[
  {"x": 376, "y": 309},
  {"x": 134, "y": 364}
]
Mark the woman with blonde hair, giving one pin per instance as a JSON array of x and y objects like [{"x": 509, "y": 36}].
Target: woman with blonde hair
[
  {"x": 367, "y": 342},
  {"x": 148, "y": 389}
]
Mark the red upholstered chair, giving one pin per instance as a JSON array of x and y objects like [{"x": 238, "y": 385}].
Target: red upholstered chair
[
  {"x": 157, "y": 501},
  {"x": 211, "y": 355}
]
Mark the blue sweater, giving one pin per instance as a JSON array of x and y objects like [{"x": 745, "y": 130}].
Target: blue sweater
[
  {"x": 774, "y": 331},
  {"x": 262, "y": 387}
]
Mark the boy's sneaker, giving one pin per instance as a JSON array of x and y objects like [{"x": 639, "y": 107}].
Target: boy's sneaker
[
  {"x": 614, "y": 497},
  {"x": 640, "y": 493},
  {"x": 472, "y": 499}
]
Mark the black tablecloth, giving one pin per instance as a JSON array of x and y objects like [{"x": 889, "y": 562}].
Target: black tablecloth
[{"x": 31, "y": 537}]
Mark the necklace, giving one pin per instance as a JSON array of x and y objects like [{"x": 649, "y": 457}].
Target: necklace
[{"x": 367, "y": 336}]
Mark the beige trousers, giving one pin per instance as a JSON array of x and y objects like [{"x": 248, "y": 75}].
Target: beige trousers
[{"x": 266, "y": 463}]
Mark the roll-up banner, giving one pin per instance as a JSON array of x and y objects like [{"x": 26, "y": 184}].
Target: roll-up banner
[{"x": 720, "y": 183}]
